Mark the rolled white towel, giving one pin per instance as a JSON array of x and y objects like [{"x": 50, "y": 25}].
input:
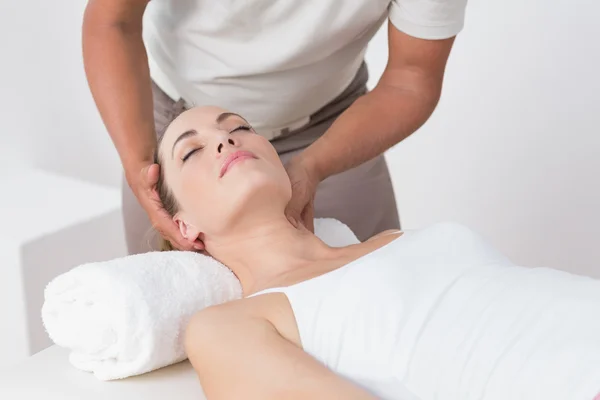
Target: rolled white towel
[{"x": 127, "y": 316}]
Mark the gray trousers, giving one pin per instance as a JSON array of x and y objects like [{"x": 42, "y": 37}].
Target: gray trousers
[{"x": 362, "y": 197}]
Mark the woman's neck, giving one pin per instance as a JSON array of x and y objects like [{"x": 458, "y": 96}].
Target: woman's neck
[{"x": 261, "y": 250}]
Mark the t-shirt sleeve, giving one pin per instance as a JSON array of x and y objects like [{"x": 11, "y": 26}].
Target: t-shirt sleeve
[{"x": 428, "y": 19}]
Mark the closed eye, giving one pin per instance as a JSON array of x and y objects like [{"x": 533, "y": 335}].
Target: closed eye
[
  {"x": 188, "y": 155},
  {"x": 241, "y": 128}
]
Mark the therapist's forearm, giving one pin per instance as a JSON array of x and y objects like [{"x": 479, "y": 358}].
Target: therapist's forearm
[
  {"x": 117, "y": 70},
  {"x": 392, "y": 111}
]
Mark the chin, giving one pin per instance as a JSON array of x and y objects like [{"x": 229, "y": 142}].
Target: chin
[{"x": 257, "y": 191}]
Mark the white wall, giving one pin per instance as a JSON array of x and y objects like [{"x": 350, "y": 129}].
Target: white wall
[
  {"x": 513, "y": 149},
  {"x": 48, "y": 117},
  {"x": 47, "y": 120}
]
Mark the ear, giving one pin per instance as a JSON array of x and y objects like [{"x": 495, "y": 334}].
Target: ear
[{"x": 188, "y": 231}]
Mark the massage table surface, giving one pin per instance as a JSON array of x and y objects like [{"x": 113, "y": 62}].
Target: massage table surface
[{"x": 48, "y": 375}]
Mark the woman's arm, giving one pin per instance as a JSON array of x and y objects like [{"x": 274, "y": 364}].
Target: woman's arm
[{"x": 239, "y": 356}]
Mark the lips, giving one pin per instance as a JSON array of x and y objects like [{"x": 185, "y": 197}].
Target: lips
[{"x": 234, "y": 158}]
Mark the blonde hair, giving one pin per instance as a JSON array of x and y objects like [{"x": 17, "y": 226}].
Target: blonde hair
[
  {"x": 165, "y": 245},
  {"x": 164, "y": 193}
]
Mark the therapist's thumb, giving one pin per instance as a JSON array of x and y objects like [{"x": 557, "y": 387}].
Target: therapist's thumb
[
  {"x": 152, "y": 174},
  {"x": 293, "y": 215},
  {"x": 308, "y": 216}
]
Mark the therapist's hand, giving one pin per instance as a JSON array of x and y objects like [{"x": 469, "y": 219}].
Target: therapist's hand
[
  {"x": 304, "y": 186},
  {"x": 143, "y": 185}
]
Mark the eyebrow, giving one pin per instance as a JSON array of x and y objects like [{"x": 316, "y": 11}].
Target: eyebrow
[
  {"x": 223, "y": 116},
  {"x": 220, "y": 118},
  {"x": 184, "y": 135}
]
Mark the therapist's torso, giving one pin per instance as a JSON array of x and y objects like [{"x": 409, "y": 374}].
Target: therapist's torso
[{"x": 275, "y": 62}]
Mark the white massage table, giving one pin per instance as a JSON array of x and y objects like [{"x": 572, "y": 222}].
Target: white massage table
[
  {"x": 496, "y": 331},
  {"x": 48, "y": 375}
]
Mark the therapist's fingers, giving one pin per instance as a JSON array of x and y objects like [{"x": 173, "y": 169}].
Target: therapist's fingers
[
  {"x": 297, "y": 203},
  {"x": 308, "y": 216},
  {"x": 159, "y": 217},
  {"x": 152, "y": 175},
  {"x": 164, "y": 224},
  {"x": 300, "y": 209}
]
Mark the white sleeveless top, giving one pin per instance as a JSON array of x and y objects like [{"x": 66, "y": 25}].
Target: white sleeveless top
[{"x": 430, "y": 313}]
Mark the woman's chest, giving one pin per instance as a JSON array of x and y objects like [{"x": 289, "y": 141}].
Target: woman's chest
[{"x": 352, "y": 320}]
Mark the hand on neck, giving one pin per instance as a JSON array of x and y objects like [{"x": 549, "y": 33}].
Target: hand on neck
[{"x": 260, "y": 248}]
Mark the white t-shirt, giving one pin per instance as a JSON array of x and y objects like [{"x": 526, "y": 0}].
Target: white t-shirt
[{"x": 276, "y": 62}]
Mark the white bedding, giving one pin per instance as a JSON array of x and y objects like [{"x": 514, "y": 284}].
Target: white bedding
[{"x": 48, "y": 375}]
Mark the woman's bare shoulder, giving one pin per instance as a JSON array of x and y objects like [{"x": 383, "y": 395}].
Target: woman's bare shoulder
[
  {"x": 385, "y": 233},
  {"x": 273, "y": 309},
  {"x": 239, "y": 307},
  {"x": 220, "y": 316}
]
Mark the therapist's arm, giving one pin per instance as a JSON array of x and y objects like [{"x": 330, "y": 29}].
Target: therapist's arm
[
  {"x": 402, "y": 101},
  {"x": 118, "y": 75}
]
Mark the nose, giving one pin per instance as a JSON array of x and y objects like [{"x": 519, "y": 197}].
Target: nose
[{"x": 226, "y": 141}]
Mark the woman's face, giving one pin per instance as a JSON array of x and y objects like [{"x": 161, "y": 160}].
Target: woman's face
[{"x": 219, "y": 170}]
